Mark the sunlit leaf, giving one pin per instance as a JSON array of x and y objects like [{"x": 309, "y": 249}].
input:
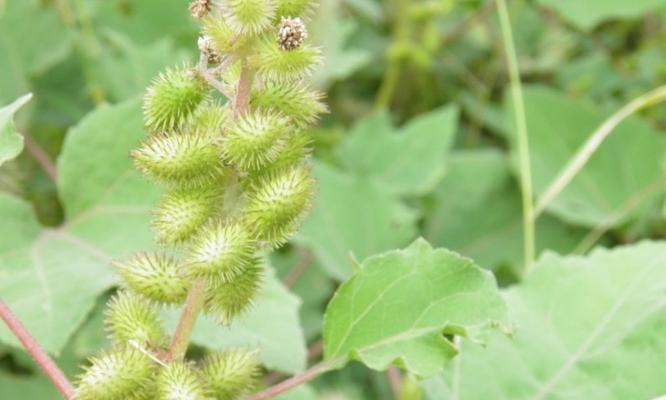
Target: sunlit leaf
[
  {"x": 397, "y": 308},
  {"x": 339, "y": 229},
  {"x": 408, "y": 161},
  {"x": 587, "y": 328},
  {"x": 11, "y": 142},
  {"x": 52, "y": 277}
]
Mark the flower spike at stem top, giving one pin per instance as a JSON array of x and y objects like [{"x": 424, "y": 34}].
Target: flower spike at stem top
[{"x": 238, "y": 184}]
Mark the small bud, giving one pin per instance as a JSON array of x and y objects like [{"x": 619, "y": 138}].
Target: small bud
[
  {"x": 221, "y": 251},
  {"x": 254, "y": 141},
  {"x": 278, "y": 203},
  {"x": 182, "y": 212},
  {"x": 132, "y": 318},
  {"x": 228, "y": 300},
  {"x": 117, "y": 374},
  {"x": 179, "y": 381},
  {"x": 183, "y": 160},
  {"x": 249, "y": 17},
  {"x": 172, "y": 97},
  {"x": 294, "y": 100},
  {"x": 291, "y": 33},
  {"x": 207, "y": 48},
  {"x": 200, "y": 8},
  {"x": 231, "y": 374},
  {"x": 275, "y": 64},
  {"x": 155, "y": 276}
]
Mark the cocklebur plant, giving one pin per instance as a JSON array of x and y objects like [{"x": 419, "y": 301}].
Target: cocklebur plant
[{"x": 228, "y": 140}]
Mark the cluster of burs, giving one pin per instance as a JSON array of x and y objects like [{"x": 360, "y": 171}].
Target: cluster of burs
[{"x": 228, "y": 140}]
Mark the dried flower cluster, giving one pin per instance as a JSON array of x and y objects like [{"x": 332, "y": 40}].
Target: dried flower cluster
[{"x": 292, "y": 33}]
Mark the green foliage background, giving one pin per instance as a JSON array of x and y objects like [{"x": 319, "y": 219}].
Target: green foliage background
[{"x": 419, "y": 143}]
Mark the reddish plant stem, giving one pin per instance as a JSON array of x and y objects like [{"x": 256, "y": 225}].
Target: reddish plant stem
[
  {"x": 292, "y": 382},
  {"x": 395, "y": 380},
  {"x": 314, "y": 351},
  {"x": 297, "y": 271},
  {"x": 196, "y": 295},
  {"x": 38, "y": 354},
  {"x": 193, "y": 306},
  {"x": 41, "y": 157},
  {"x": 243, "y": 90}
]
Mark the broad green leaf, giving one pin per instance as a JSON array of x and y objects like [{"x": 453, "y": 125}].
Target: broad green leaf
[
  {"x": 272, "y": 325},
  {"x": 32, "y": 39},
  {"x": 408, "y": 161},
  {"x": 477, "y": 211},
  {"x": 95, "y": 157},
  {"x": 587, "y": 328},
  {"x": 91, "y": 336},
  {"x": 51, "y": 278},
  {"x": 340, "y": 228},
  {"x": 126, "y": 68},
  {"x": 21, "y": 387},
  {"x": 313, "y": 286},
  {"x": 397, "y": 308},
  {"x": 11, "y": 142},
  {"x": 145, "y": 21},
  {"x": 588, "y": 13},
  {"x": 623, "y": 177}
]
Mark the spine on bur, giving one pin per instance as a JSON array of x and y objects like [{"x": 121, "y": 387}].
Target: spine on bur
[{"x": 228, "y": 140}]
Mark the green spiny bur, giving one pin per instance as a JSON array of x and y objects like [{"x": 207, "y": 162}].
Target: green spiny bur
[
  {"x": 228, "y": 300},
  {"x": 294, "y": 100},
  {"x": 115, "y": 375},
  {"x": 181, "y": 212},
  {"x": 254, "y": 141},
  {"x": 294, "y": 8},
  {"x": 210, "y": 117},
  {"x": 238, "y": 183},
  {"x": 275, "y": 64},
  {"x": 278, "y": 202},
  {"x": 181, "y": 160},
  {"x": 180, "y": 381},
  {"x": 130, "y": 318},
  {"x": 156, "y": 276},
  {"x": 221, "y": 251},
  {"x": 249, "y": 17},
  {"x": 172, "y": 98},
  {"x": 232, "y": 373}
]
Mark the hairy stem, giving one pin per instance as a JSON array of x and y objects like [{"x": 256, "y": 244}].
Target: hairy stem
[
  {"x": 292, "y": 382},
  {"x": 521, "y": 127},
  {"x": 243, "y": 90},
  {"x": 193, "y": 306},
  {"x": 38, "y": 354}
]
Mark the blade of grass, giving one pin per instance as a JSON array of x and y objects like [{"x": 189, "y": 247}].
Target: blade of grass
[
  {"x": 591, "y": 239},
  {"x": 521, "y": 127},
  {"x": 595, "y": 140}
]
